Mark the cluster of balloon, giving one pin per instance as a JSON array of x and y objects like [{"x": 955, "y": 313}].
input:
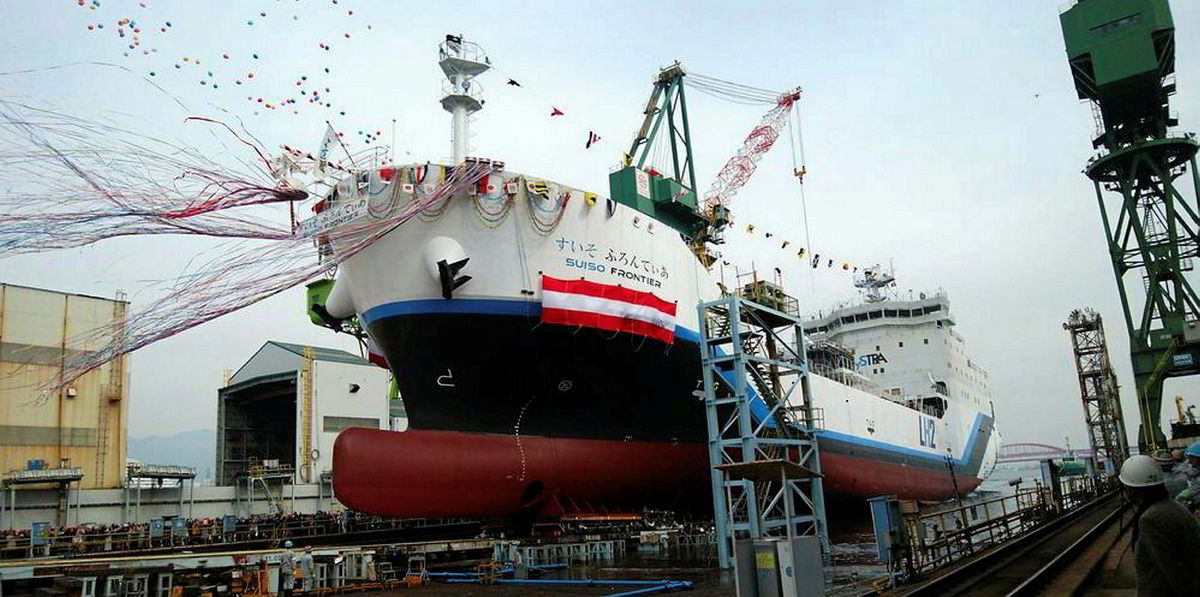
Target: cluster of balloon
[{"x": 143, "y": 35}]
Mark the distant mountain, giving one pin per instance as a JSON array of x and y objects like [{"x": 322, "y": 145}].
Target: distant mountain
[{"x": 196, "y": 449}]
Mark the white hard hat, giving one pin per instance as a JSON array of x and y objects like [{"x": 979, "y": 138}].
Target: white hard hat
[{"x": 1141, "y": 471}]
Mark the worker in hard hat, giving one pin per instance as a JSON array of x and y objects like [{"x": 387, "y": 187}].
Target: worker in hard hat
[
  {"x": 1190, "y": 472},
  {"x": 1166, "y": 537},
  {"x": 287, "y": 570},
  {"x": 305, "y": 569}
]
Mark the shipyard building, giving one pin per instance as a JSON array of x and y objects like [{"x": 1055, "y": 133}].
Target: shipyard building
[
  {"x": 281, "y": 411},
  {"x": 71, "y": 435},
  {"x": 63, "y": 453}
]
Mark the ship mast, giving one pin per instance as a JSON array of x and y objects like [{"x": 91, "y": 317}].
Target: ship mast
[
  {"x": 461, "y": 61},
  {"x": 872, "y": 282}
]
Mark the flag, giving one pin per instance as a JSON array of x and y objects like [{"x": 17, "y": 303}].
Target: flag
[
  {"x": 607, "y": 307},
  {"x": 555, "y": 111},
  {"x": 592, "y": 138},
  {"x": 326, "y": 147}
]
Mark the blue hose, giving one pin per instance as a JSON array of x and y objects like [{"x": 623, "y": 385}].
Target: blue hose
[
  {"x": 650, "y": 586},
  {"x": 669, "y": 585}
]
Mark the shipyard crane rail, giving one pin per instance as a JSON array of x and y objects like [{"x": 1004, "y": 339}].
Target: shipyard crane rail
[{"x": 1037, "y": 560}]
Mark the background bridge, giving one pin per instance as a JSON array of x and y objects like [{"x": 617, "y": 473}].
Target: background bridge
[{"x": 1033, "y": 452}]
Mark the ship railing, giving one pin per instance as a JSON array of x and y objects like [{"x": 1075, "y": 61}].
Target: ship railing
[
  {"x": 471, "y": 89},
  {"x": 845, "y": 377},
  {"x": 938, "y": 293},
  {"x": 462, "y": 50}
]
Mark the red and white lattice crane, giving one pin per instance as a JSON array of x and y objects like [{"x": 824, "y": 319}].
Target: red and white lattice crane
[{"x": 742, "y": 165}]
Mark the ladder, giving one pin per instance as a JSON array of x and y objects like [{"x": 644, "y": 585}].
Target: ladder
[
  {"x": 306, "y": 414},
  {"x": 112, "y": 392}
]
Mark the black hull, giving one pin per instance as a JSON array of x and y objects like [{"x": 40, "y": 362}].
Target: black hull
[{"x": 510, "y": 374}]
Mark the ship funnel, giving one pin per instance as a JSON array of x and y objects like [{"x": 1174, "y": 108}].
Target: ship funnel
[{"x": 462, "y": 61}]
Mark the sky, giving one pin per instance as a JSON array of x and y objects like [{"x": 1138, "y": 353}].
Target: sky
[{"x": 944, "y": 138}]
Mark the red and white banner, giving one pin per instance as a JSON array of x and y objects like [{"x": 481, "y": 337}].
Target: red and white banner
[{"x": 607, "y": 307}]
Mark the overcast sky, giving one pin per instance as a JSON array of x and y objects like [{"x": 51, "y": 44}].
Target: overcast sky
[{"x": 942, "y": 136}]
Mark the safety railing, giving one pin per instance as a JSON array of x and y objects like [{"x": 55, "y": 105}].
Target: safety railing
[
  {"x": 113, "y": 539},
  {"x": 940, "y": 537}
]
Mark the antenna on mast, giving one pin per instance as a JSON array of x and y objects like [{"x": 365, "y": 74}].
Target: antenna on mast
[
  {"x": 872, "y": 282},
  {"x": 461, "y": 61}
]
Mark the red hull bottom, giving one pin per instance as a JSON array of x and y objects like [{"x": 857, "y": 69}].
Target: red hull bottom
[
  {"x": 452, "y": 474},
  {"x": 865, "y": 478}
]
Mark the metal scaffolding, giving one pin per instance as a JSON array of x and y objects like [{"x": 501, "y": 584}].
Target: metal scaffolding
[
  {"x": 140, "y": 475},
  {"x": 62, "y": 477},
  {"x": 261, "y": 476},
  {"x": 1099, "y": 390},
  {"x": 766, "y": 476}
]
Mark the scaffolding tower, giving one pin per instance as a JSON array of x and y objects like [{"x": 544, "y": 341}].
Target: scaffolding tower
[
  {"x": 766, "y": 476},
  {"x": 1099, "y": 390}
]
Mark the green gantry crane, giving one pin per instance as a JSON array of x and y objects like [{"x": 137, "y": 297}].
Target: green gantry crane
[{"x": 1122, "y": 57}]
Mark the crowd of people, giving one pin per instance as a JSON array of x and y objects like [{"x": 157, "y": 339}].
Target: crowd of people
[{"x": 180, "y": 532}]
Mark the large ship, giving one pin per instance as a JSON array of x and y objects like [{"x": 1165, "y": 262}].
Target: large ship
[{"x": 544, "y": 342}]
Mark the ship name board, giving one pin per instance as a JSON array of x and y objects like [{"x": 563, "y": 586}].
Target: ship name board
[
  {"x": 600, "y": 268},
  {"x": 336, "y": 215},
  {"x": 867, "y": 360},
  {"x": 927, "y": 426}
]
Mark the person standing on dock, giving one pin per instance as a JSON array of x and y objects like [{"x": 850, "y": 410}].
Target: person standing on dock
[
  {"x": 287, "y": 570},
  {"x": 1166, "y": 538},
  {"x": 304, "y": 566}
]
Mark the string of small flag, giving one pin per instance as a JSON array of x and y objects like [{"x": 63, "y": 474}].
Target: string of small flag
[{"x": 816, "y": 259}]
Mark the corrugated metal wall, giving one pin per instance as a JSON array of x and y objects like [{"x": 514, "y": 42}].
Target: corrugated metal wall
[{"x": 38, "y": 329}]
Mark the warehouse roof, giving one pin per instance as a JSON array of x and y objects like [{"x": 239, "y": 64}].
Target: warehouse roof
[
  {"x": 275, "y": 357},
  {"x": 322, "y": 354}
]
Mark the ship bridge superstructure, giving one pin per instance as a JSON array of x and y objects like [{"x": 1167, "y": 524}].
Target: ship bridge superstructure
[{"x": 908, "y": 348}]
